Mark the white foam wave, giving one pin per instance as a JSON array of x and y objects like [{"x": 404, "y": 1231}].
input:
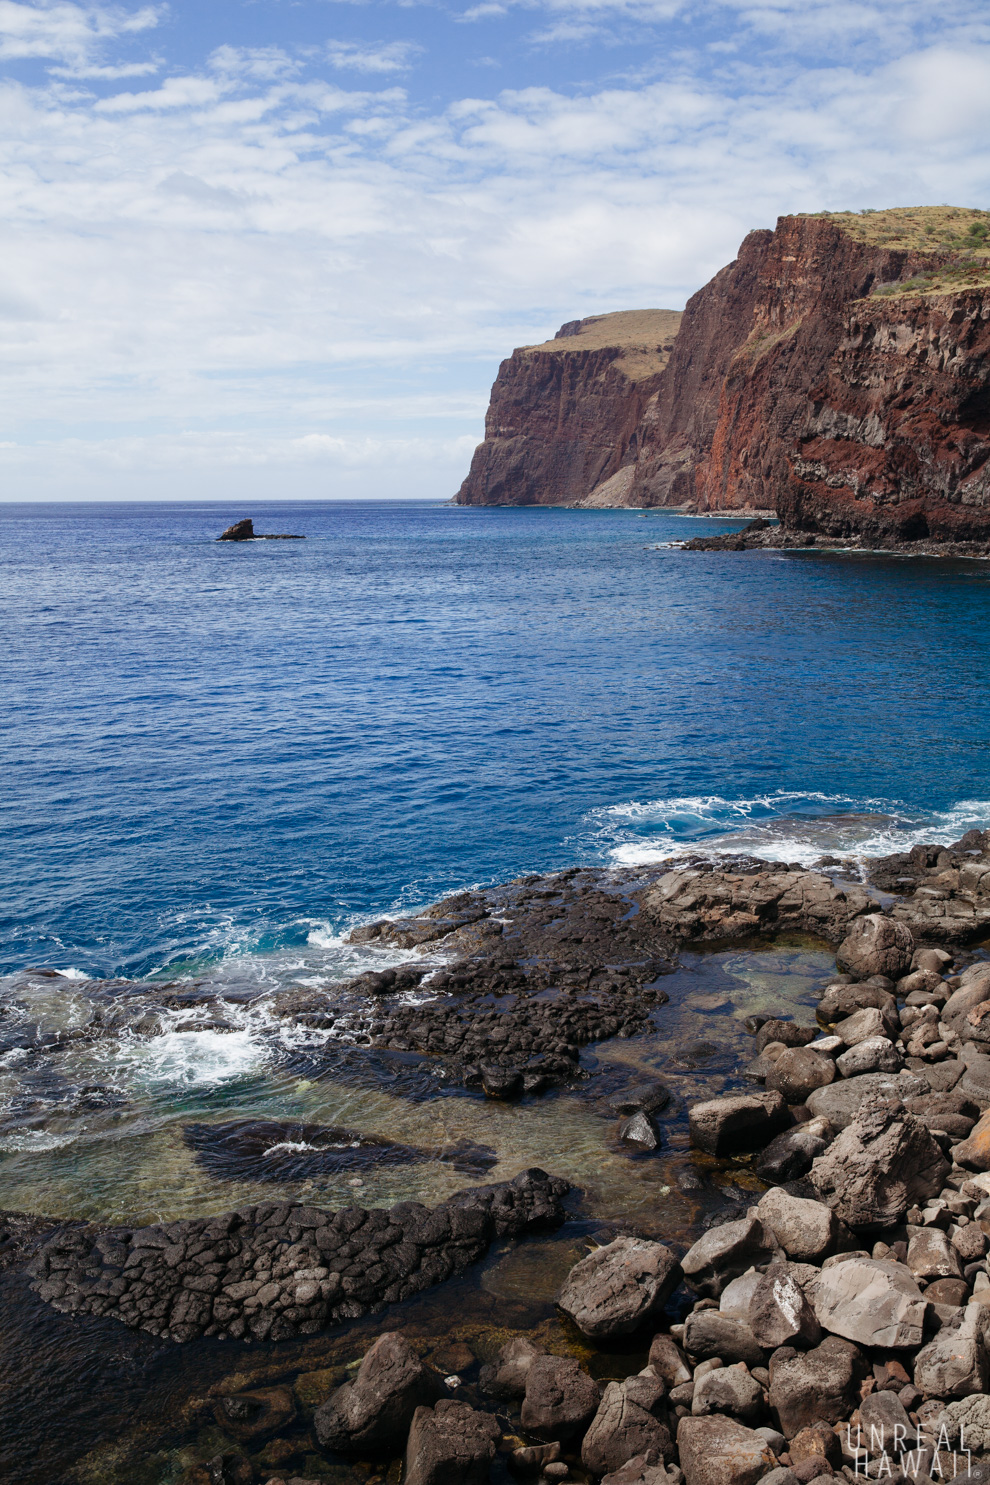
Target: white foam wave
[
  {"x": 783, "y": 826},
  {"x": 34, "y": 1140},
  {"x": 194, "y": 1059}
]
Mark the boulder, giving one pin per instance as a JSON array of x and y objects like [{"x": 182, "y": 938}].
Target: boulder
[
  {"x": 532, "y": 1459},
  {"x": 708, "y": 1333},
  {"x": 450, "y": 1444},
  {"x": 798, "y": 1071},
  {"x": 861, "y": 1026},
  {"x": 507, "y": 1378},
  {"x": 874, "y": 1302},
  {"x": 742, "y": 1121},
  {"x": 966, "y": 1422},
  {"x": 560, "y": 1400},
  {"x": 619, "y": 1287},
  {"x": 840, "y": 1001},
  {"x": 806, "y": 1230},
  {"x": 790, "y": 1154},
  {"x": 779, "y": 1313},
  {"x": 882, "y": 1163},
  {"x": 640, "y": 1131},
  {"x": 725, "y": 1252},
  {"x": 644, "y": 1469},
  {"x": 737, "y": 1296},
  {"x": 875, "y": 1054},
  {"x": 629, "y": 1421},
  {"x": 729, "y": 1390},
  {"x": 931, "y": 1256},
  {"x": 974, "y": 1151},
  {"x": 375, "y": 1410},
  {"x": 840, "y": 1102},
  {"x": 809, "y": 1386},
  {"x": 240, "y": 531},
  {"x": 876, "y": 945},
  {"x": 975, "y": 1081},
  {"x": 720, "y": 1451},
  {"x": 879, "y": 1415},
  {"x": 786, "y": 1032},
  {"x": 954, "y": 1364},
  {"x": 668, "y": 1361},
  {"x": 817, "y": 1441}
]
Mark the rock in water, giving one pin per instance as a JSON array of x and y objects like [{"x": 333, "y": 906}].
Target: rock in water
[
  {"x": 244, "y": 531},
  {"x": 240, "y": 531},
  {"x": 618, "y": 1287},
  {"x": 450, "y": 1444},
  {"x": 376, "y": 1409}
]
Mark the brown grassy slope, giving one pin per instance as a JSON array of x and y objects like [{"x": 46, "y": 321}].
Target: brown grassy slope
[
  {"x": 957, "y": 237},
  {"x": 644, "y": 335}
]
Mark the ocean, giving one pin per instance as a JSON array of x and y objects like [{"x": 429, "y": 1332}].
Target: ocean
[
  {"x": 219, "y": 758},
  {"x": 216, "y": 758}
]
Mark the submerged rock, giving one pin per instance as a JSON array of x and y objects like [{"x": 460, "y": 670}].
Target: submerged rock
[{"x": 266, "y": 1150}]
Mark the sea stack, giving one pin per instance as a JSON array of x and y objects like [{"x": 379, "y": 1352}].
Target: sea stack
[{"x": 244, "y": 531}]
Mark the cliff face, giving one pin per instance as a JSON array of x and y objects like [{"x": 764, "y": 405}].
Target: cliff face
[
  {"x": 838, "y": 371},
  {"x": 564, "y": 414}
]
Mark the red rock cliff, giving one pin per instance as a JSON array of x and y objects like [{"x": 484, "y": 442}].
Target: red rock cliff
[
  {"x": 563, "y": 415},
  {"x": 838, "y": 371}
]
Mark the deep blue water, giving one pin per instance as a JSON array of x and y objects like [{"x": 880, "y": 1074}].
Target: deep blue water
[{"x": 211, "y": 750}]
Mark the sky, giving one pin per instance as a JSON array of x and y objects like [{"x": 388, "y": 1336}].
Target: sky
[{"x": 278, "y": 248}]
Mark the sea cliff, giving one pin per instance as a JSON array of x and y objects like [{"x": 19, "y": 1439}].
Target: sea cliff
[{"x": 837, "y": 372}]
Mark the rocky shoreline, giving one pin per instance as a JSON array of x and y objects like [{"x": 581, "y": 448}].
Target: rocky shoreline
[
  {"x": 837, "y": 1325},
  {"x": 762, "y": 536}
]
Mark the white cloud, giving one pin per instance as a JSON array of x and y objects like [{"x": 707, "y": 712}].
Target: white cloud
[
  {"x": 66, "y": 32},
  {"x": 392, "y": 56},
  {"x": 253, "y": 268}
]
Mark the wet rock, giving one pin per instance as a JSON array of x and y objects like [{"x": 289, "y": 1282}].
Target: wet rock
[
  {"x": 619, "y": 1287},
  {"x": 874, "y": 1054},
  {"x": 280, "y": 1269},
  {"x": 629, "y": 1421},
  {"x": 798, "y": 1071},
  {"x": 507, "y": 1378},
  {"x": 721, "y": 1126},
  {"x": 883, "y": 1162},
  {"x": 269, "y": 1150},
  {"x": 376, "y": 1409},
  {"x": 876, "y": 945},
  {"x": 668, "y": 1361},
  {"x": 871, "y": 1302},
  {"x": 721, "y": 1451},
  {"x": 709, "y": 1333},
  {"x": 252, "y": 1415},
  {"x": 450, "y": 1444},
  {"x": 502, "y": 1083},
  {"x": 779, "y": 1313},
  {"x": 806, "y": 1230},
  {"x": 560, "y": 1400},
  {"x": 788, "y": 1033},
  {"x": 725, "y": 1252},
  {"x": 532, "y": 1459},
  {"x": 809, "y": 1386},
  {"x": 930, "y": 1255},
  {"x": 729, "y": 1390},
  {"x": 240, "y": 531},
  {"x": 640, "y": 1132},
  {"x": 646, "y": 1098},
  {"x": 790, "y": 1154}
]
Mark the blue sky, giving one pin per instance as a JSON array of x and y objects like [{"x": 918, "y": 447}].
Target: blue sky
[{"x": 278, "y": 249}]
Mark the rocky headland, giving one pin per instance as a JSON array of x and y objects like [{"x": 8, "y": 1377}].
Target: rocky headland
[
  {"x": 836, "y": 373},
  {"x": 831, "y": 1318}
]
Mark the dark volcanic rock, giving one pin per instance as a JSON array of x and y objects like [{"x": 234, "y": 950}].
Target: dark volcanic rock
[
  {"x": 375, "y": 1410},
  {"x": 560, "y": 1400},
  {"x": 274, "y": 1271},
  {"x": 244, "y": 531},
  {"x": 450, "y": 1444},
  {"x": 619, "y": 1287},
  {"x": 882, "y": 1163},
  {"x": 265, "y": 1150}
]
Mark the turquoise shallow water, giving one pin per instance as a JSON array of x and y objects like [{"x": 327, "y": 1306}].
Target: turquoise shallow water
[{"x": 219, "y": 755}]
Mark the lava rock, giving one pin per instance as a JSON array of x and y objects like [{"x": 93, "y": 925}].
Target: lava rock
[
  {"x": 779, "y": 1313},
  {"x": 709, "y": 1333},
  {"x": 812, "y": 1385},
  {"x": 629, "y": 1421},
  {"x": 870, "y": 1301},
  {"x": 668, "y": 1361},
  {"x": 954, "y": 1364},
  {"x": 798, "y": 1071},
  {"x": 560, "y": 1400},
  {"x": 806, "y": 1230},
  {"x": 720, "y": 1126},
  {"x": 729, "y": 1390},
  {"x": 790, "y": 1155},
  {"x": 725, "y": 1252},
  {"x": 720, "y": 1451},
  {"x": 882, "y": 1163},
  {"x": 450, "y": 1444},
  {"x": 619, "y": 1287},
  {"x": 376, "y": 1409},
  {"x": 876, "y": 945}
]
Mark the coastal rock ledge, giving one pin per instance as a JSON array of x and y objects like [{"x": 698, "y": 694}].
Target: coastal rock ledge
[{"x": 278, "y": 1270}]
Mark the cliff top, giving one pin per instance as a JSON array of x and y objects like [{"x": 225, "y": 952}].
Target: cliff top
[
  {"x": 645, "y": 337},
  {"x": 920, "y": 229}
]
